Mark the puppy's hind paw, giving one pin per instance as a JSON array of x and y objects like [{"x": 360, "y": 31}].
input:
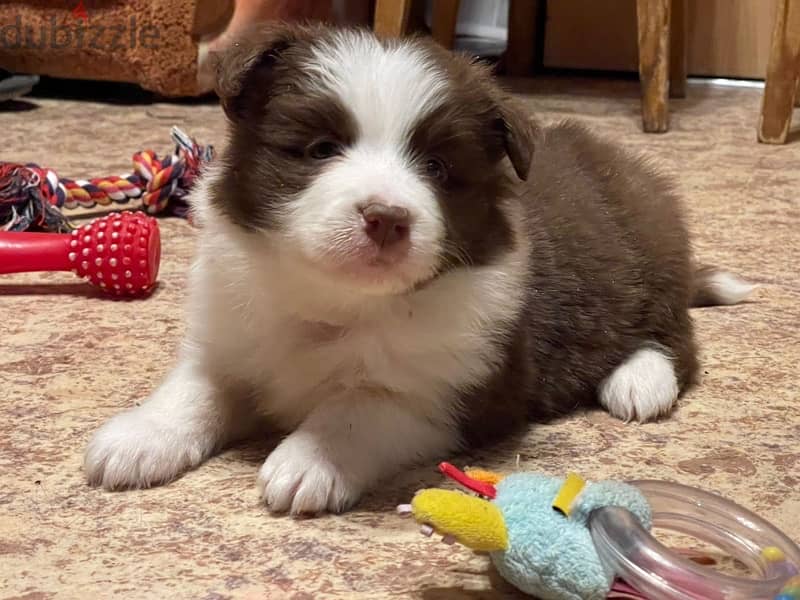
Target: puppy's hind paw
[{"x": 642, "y": 388}]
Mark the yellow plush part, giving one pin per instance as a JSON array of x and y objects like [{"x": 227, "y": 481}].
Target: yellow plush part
[
  {"x": 572, "y": 486},
  {"x": 474, "y": 522},
  {"x": 485, "y": 476}
]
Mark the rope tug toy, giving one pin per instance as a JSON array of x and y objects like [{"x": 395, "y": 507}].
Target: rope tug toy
[
  {"x": 118, "y": 253},
  {"x": 567, "y": 539},
  {"x": 32, "y": 197}
]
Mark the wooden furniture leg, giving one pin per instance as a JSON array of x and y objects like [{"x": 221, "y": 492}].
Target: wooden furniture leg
[
  {"x": 653, "y": 17},
  {"x": 443, "y": 22},
  {"x": 678, "y": 48},
  {"x": 521, "y": 46},
  {"x": 391, "y": 17},
  {"x": 782, "y": 74}
]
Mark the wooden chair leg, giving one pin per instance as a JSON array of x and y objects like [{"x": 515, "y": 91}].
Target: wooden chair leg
[
  {"x": 391, "y": 17},
  {"x": 678, "y": 48},
  {"x": 653, "y": 17},
  {"x": 444, "y": 20},
  {"x": 521, "y": 45},
  {"x": 782, "y": 74}
]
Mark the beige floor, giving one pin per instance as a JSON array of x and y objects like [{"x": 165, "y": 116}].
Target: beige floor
[{"x": 69, "y": 360}]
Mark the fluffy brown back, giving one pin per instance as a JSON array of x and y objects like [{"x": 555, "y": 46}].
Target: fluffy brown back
[{"x": 610, "y": 273}]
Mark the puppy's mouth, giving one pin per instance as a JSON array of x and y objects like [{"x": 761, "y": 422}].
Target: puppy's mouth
[
  {"x": 394, "y": 270},
  {"x": 373, "y": 263}
]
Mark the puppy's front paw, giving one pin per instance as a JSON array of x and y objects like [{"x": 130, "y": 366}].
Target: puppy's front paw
[
  {"x": 133, "y": 450},
  {"x": 301, "y": 478}
]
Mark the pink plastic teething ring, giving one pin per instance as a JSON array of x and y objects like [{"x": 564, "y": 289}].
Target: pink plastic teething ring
[{"x": 658, "y": 573}]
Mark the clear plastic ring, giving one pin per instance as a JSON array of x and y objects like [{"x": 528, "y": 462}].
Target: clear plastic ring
[{"x": 660, "y": 574}]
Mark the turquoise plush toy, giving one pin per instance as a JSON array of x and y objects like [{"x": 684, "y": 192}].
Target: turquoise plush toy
[
  {"x": 550, "y": 552},
  {"x": 568, "y": 539},
  {"x": 534, "y": 527}
]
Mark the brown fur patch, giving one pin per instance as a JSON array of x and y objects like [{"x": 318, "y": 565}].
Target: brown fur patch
[
  {"x": 469, "y": 196},
  {"x": 275, "y": 118},
  {"x": 610, "y": 272}
]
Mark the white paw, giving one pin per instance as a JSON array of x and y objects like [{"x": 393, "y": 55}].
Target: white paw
[
  {"x": 300, "y": 478},
  {"x": 643, "y": 388},
  {"x": 134, "y": 450}
]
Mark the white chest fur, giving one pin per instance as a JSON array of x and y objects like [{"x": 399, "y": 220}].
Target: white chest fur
[{"x": 302, "y": 344}]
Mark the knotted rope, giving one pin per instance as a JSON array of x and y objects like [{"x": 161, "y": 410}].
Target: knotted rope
[{"x": 32, "y": 197}]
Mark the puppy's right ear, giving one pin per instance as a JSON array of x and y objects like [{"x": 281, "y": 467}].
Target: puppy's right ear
[
  {"x": 519, "y": 134},
  {"x": 246, "y": 68}
]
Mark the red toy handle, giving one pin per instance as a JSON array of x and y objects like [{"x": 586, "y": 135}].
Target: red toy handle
[
  {"x": 119, "y": 253},
  {"x": 25, "y": 252},
  {"x": 457, "y": 475}
]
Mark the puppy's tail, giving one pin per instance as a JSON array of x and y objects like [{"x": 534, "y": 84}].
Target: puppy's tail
[{"x": 714, "y": 287}]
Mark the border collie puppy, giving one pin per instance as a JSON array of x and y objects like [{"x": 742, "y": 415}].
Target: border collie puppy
[{"x": 397, "y": 264}]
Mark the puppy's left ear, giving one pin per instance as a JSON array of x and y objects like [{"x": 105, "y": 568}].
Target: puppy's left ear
[{"x": 518, "y": 132}]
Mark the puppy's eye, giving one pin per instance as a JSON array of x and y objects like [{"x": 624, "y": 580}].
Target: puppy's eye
[
  {"x": 436, "y": 169},
  {"x": 323, "y": 150}
]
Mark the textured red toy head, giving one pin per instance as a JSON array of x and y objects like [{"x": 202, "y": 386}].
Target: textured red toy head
[{"x": 119, "y": 253}]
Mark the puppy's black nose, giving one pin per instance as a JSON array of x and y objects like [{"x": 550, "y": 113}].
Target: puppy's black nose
[{"x": 385, "y": 225}]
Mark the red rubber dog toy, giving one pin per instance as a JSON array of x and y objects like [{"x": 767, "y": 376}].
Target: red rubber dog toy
[{"x": 119, "y": 253}]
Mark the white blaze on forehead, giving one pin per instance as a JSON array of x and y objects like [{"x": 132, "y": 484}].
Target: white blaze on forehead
[{"x": 388, "y": 90}]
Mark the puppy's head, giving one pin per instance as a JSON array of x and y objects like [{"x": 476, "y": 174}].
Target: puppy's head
[{"x": 381, "y": 164}]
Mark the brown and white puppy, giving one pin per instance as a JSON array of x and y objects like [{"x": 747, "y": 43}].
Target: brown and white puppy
[{"x": 396, "y": 263}]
